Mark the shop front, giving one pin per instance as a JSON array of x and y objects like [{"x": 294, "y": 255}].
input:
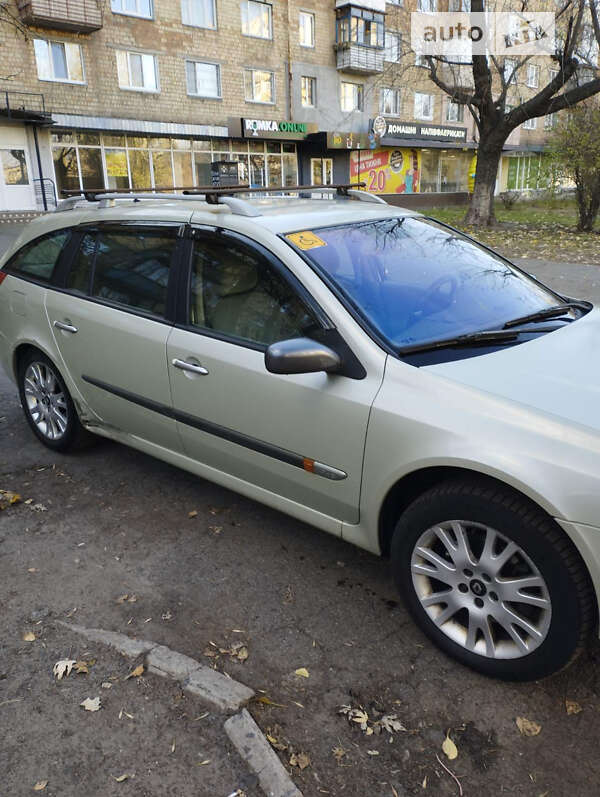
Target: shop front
[{"x": 413, "y": 159}]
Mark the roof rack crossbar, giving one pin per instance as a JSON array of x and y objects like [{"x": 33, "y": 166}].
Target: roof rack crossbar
[{"x": 225, "y": 195}]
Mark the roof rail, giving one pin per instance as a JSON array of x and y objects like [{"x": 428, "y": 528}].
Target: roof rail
[{"x": 215, "y": 195}]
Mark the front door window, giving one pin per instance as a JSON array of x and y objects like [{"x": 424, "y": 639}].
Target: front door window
[{"x": 321, "y": 171}]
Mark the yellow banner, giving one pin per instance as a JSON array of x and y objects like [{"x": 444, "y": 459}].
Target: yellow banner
[{"x": 387, "y": 170}]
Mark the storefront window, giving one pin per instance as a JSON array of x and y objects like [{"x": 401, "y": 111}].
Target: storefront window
[
  {"x": 144, "y": 163},
  {"x": 430, "y": 162},
  {"x": 203, "y": 173},
  {"x": 163, "y": 169},
  {"x": 117, "y": 173},
  {"x": 66, "y": 169},
  {"x": 182, "y": 163},
  {"x": 139, "y": 163},
  {"x": 257, "y": 171},
  {"x": 453, "y": 171},
  {"x": 92, "y": 175}
]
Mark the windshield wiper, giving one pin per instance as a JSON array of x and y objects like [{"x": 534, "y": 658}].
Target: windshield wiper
[
  {"x": 547, "y": 312},
  {"x": 470, "y": 339}
]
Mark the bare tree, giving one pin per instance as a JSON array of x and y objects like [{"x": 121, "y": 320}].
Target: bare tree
[{"x": 495, "y": 105}]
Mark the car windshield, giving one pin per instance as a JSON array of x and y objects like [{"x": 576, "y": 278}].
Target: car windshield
[{"x": 415, "y": 280}]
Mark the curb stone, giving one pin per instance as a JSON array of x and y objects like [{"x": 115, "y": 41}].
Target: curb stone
[
  {"x": 219, "y": 691},
  {"x": 249, "y": 741}
]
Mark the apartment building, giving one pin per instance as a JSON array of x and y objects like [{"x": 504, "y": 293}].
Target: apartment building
[{"x": 169, "y": 93}]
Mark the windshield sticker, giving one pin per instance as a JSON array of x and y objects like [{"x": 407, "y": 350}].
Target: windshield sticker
[{"x": 306, "y": 240}]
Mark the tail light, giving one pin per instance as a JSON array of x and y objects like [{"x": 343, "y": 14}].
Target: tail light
[{"x": 3, "y": 276}]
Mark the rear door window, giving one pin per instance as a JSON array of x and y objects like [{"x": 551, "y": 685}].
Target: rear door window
[
  {"x": 128, "y": 267},
  {"x": 38, "y": 258}
]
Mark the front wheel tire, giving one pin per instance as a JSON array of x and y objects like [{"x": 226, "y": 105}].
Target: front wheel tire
[{"x": 492, "y": 580}]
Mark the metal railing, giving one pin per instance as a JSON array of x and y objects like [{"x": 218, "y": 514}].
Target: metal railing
[
  {"x": 81, "y": 16},
  {"x": 45, "y": 193},
  {"x": 12, "y": 101}
]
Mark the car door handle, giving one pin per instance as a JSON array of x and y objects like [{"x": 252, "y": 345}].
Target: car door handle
[
  {"x": 185, "y": 366},
  {"x": 65, "y": 327}
]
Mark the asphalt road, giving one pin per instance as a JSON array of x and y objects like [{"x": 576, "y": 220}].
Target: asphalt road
[{"x": 110, "y": 522}]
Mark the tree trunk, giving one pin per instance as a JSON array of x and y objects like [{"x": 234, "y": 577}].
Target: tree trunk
[
  {"x": 481, "y": 209},
  {"x": 587, "y": 192}
]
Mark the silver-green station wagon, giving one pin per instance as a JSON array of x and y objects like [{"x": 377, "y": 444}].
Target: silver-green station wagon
[{"x": 360, "y": 367}]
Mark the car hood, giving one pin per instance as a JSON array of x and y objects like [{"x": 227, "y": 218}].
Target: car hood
[{"x": 557, "y": 373}]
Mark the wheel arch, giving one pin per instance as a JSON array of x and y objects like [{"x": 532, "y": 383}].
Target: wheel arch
[{"x": 410, "y": 486}]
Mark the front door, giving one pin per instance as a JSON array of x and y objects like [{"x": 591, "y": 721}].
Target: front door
[
  {"x": 321, "y": 171},
  {"x": 16, "y": 186},
  {"x": 298, "y": 436},
  {"x": 111, "y": 327}
]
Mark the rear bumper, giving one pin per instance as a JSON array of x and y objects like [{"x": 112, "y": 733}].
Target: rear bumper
[{"x": 587, "y": 541}]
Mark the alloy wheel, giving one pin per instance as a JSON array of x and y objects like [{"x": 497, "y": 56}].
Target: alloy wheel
[
  {"x": 481, "y": 589},
  {"x": 46, "y": 401}
]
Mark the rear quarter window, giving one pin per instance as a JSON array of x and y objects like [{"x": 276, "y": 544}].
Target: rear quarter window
[{"x": 38, "y": 258}]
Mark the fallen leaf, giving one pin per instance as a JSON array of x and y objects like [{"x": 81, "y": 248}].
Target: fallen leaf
[
  {"x": 81, "y": 667},
  {"x": 63, "y": 667},
  {"x": 372, "y": 752},
  {"x": 302, "y": 672},
  {"x": 106, "y": 685},
  {"x": 32, "y": 570},
  {"x": 40, "y": 785},
  {"x": 139, "y": 670},
  {"x": 338, "y": 753},
  {"x": 275, "y": 742},
  {"x": 528, "y": 727},
  {"x": 203, "y": 763},
  {"x": 300, "y": 760},
  {"x": 29, "y": 636},
  {"x": 8, "y": 499},
  {"x": 39, "y": 508},
  {"x": 268, "y": 702},
  {"x": 573, "y": 707},
  {"x": 193, "y": 513},
  {"x": 424, "y": 784},
  {"x": 91, "y": 703},
  {"x": 449, "y": 747},
  {"x": 124, "y": 776}
]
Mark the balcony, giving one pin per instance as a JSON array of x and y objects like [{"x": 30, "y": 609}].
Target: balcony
[
  {"x": 78, "y": 16},
  {"x": 359, "y": 59}
]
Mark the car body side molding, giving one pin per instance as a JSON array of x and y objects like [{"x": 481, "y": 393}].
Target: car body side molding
[{"x": 252, "y": 443}]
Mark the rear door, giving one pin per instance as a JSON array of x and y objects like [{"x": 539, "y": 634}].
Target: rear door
[
  {"x": 111, "y": 321},
  {"x": 302, "y": 436}
]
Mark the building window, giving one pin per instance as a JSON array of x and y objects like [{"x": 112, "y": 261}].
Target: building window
[
  {"x": 359, "y": 26},
  {"x": 390, "y": 102},
  {"x": 14, "y": 166},
  {"x": 423, "y": 105},
  {"x": 259, "y": 85},
  {"x": 393, "y": 46},
  {"x": 550, "y": 121},
  {"x": 533, "y": 76},
  {"x": 351, "y": 97},
  {"x": 133, "y": 8},
  {"x": 459, "y": 5},
  {"x": 60, "y": 61},
  {"x": 203, "y": 80},
  {"x": 309, "y": 91},
  {"x": 307, "y": 29},
  {"x": 257, "y": 19},
  {"x": 530, "y": 124},
  {"x": 427, "y": 5},
  {"x": 510, "y": 65},
  {"x": 137, "y": 71},
  {"x": 199, "y": 13},
  {"x": 454, "y": 112}
]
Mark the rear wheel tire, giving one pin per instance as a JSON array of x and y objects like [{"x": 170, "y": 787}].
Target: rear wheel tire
[
  {"x": 48, "y": 405},
  {"x": 493, "y": 581}
]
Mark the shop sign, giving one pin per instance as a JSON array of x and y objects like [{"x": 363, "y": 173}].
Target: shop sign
[
  {"x": 387, "y": 171},
  {"x": 270, "y": 128},
  {"x": 340, "y": 140},
  {"x": 391, "y": 128}
]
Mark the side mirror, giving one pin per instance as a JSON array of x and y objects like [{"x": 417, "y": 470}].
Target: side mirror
[{"x": 301, "y": 356}]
